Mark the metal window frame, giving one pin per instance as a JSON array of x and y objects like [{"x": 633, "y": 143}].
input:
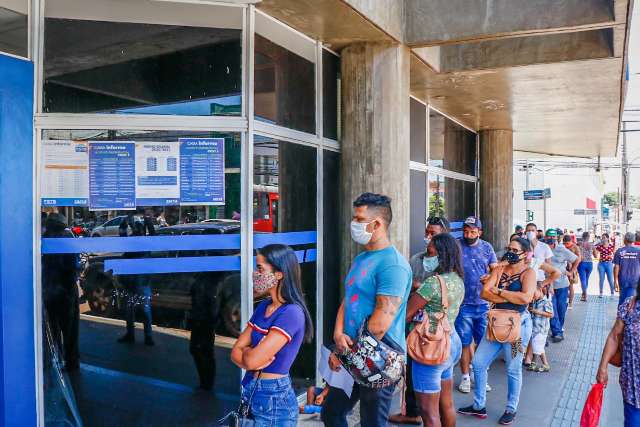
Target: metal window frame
[{"x": 245, "y": 124}]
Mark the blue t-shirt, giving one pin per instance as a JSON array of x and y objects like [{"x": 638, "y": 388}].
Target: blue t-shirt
[
  {"x": 628, "y": 259},
  {"x": 382, "y": 272},
  {"x": 287, "y": 320},
  {"x": 475, "y": 262}
]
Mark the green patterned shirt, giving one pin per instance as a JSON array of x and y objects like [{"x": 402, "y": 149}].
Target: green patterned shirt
[{"x": 430, "y": 291}]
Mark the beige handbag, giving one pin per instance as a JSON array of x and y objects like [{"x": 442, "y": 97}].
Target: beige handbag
[
  {"x": 503, "y": 325},
  {"x": 432, "y": 348}
]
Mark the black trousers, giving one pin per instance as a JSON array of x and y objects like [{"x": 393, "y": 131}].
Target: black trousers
[
  {"x": 64, "y": 320},
  {"x": 411, "y": 403},
  {"x": 374, "y": 406},
  {"x": 202, "y": 351}
]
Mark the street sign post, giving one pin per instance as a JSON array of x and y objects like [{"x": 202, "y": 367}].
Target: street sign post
[{"x": 542, "y": 194}]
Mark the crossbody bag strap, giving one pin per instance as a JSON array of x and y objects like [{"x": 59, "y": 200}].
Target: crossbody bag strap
[{"x": 444, "y": 296}]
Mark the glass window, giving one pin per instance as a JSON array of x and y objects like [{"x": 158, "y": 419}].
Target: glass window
[
  {"x": 95, "y": 66},
  {"x": 452, "y": 198},
  {"x": 331, "y": 95},
  {"x": 451, "y": 146},
  {"x": 332, "y": 240},
  {"x": 284, "y": 86},
  {"x": 285, "y": 173},
  {"x": 14, "y": 27},
  {"x": 418, "y": 207},
  {"x": 151, "y": 320},
  {"x": 418, "y": 131}
]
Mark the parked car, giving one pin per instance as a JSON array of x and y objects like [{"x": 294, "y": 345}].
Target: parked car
[
  {"x": 173, "y": 292},
  {"x": 111, "y": 228}
]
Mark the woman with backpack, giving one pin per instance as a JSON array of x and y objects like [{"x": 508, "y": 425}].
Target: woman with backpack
[
  {"x": 432, "y": 318},
  {"x": 269, "y": 345}
]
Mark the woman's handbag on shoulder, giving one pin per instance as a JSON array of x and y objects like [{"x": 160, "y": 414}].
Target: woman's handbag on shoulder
[
  {"x": 432, "y": 348},
  {"x": 503, "y": 325},
  {"x": 371, "y": 362},
  {"x": 616, "y": 359},
  {"x": 239, "y": 416}
]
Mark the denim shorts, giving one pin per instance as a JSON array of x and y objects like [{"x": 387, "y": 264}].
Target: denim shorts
[
  {"x": 427, "y": 378},
  {"x": 274, "y": 403},
  {"x": 471, "y": 323}
]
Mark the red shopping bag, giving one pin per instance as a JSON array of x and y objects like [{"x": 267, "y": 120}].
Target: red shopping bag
[{"x": 592, "y": 407}]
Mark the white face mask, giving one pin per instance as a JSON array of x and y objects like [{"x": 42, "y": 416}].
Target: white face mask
[
  {"x": 359, "y": 232},
  {"x": 531, "y": 235}
]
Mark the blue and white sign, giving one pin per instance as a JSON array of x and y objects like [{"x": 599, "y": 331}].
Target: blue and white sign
[
  {"x": 157, "y": 171},
  {"x": 202, "y": 171},
  {"x": 112, "y": 175},
  {"x": 65, "y": 173},
  {"x": 537, "y": 194}
]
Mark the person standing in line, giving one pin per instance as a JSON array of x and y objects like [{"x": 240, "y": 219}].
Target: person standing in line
[
  {"x": 519, "y": 230},
  {"x": 376, "y": 288},
  {"x": 421, "y": 268},
  {"x": 541, "y": 251},
  {"x": 627, "y": 329},
  {"x": 433, "y": 384},
  {"x": 271, "y": 341},
  {"x": 570, "y": 244},
  {"x": 587, "y": 252},
  {"x": 606, "y": 249},
  {"x": 60, "y": 293},
  {"x": 567, "y": 263},
  {"x": 509, "y": 286},
  {"x": 626, "y": 270},
  {"x": 541, "y": 311},
  {"x": 471, "y": 324}
]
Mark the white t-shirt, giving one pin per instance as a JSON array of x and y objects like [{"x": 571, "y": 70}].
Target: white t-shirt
[{"x": 541, "y": 253}]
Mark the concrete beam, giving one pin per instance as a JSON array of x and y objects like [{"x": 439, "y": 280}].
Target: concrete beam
[
  {"x": 437, "y": 22},
  {"x": 388, "y": 15},
  {"x": 529, "y": 50}
]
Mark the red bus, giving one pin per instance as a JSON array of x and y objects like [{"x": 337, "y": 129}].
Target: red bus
[{"x": 265, "y": 208}]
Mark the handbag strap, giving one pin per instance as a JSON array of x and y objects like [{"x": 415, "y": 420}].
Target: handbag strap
[{"x": 444, "y": 296}]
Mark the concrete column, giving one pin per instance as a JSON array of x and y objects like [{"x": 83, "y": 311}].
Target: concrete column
[
  {"x": 375, "y": 138},
  {"x": 496, "y": 185}
]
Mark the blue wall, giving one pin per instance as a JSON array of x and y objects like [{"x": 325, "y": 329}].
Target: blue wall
[{"x": 17, "y": 351}]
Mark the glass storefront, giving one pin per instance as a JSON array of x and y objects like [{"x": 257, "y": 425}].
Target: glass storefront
[
  {"x": 14, "y": 27},
  {"x": 451, "y": 146}
]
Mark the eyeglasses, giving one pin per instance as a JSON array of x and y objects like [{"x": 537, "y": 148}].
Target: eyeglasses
[{"x": 436, "y": 220}]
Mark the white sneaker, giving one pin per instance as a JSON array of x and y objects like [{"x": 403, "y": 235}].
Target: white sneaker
[
  {"x": 488, "y": 387},
  {"x": 465, "y": 385}
]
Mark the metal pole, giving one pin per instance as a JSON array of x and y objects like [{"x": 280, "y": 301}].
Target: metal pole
[
  {"x": 526, "y": 202},
  {"x": 625, "y": 178},
  {"x": 544, "y": 205}
]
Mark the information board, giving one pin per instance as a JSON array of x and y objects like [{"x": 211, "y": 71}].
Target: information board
[
  {"x": 157, "y": 171},
  {"x": 65, "y": 173},
  {"x": 112, "y": 170},
  {"x": 202, "y": 171}
]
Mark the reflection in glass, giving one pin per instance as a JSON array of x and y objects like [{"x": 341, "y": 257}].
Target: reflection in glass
[
  {"x": 331, "y": 95},
  {"x": 451, "y": 146},
  {"x": 114, "y": 67},
  {"x": 331, "y": 236},
  {"x": 155, "y": 326},
  {"x": 14, "y": 30},
  {"x": 418, "y": 131},
  {"x": 418, "y": 207},
  {"x": 284, "y": 87},
  {"x": 451, "y": 198},
  {"x": 284, "y": 191}
]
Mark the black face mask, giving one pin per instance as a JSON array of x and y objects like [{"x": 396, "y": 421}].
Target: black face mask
[
  {"x": 511, "y": 257},
  {"x": 469, "y": 241}
]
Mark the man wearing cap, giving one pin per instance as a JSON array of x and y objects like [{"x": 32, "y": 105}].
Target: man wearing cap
[
  {"x": 626, "y": 267},
  {"x": 471, "y": 324},
  {"x": 519, "y": 230},
  {"x": 567, "y": 263}
]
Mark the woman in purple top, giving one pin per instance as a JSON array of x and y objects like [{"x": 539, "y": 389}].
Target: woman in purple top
[
  {"x": 627, "y": 329},
  {"x": 269, "y": 344}
]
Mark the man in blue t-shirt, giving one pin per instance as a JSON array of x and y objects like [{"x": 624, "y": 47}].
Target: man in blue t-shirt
[
  {"x": 626, "y": 268},
  {"x": 377, "y": 287},
  {"x": 477, "y": 257}
]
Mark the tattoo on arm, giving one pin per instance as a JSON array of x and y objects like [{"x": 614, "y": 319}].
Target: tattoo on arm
[{"x": 388, "y": 305}]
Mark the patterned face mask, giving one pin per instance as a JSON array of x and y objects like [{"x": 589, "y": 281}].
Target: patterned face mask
[{"x": 262, "y": 282}]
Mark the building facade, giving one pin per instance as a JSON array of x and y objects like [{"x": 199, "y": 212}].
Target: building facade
[{"x": 224, "y": 126}]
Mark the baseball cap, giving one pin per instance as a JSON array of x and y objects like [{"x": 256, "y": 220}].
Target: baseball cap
[
  {"x": 473, "y": 221},
  {"x": 552, "y": 232},
  {"x": 629, "y": 237}
]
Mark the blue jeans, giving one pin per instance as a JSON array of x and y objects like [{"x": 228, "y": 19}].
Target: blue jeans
[
  {"x": 584, "y": 271},
  {"x": 141, "y": 296},
  {"x": 471, "y": 323},
  {"x": 428, "y": 378},
  {"x": 486, "y": 353},
  {"x": 631, "y": 415},
  {"x": 560, "y": 302},
  {"x": 374, "y": 406},
  {"x": 274, "y": 403},
  {"x": 626, "y": 291},
  {"x": 606, "y": 267}
]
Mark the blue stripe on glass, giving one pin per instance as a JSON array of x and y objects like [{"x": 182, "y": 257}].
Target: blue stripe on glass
[
  {"x": 172, "y": 265},
  {"x": 291, "y": 238}
]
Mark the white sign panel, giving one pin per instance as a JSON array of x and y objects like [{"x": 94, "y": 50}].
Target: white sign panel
[
  {"x": 65, "y": 173},
  {"x": 157, "y": 172}
]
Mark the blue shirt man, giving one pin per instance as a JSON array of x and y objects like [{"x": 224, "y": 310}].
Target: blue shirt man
[
  {"x": 626, "y": 270},
  {"x": 471, "y": 324}
]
